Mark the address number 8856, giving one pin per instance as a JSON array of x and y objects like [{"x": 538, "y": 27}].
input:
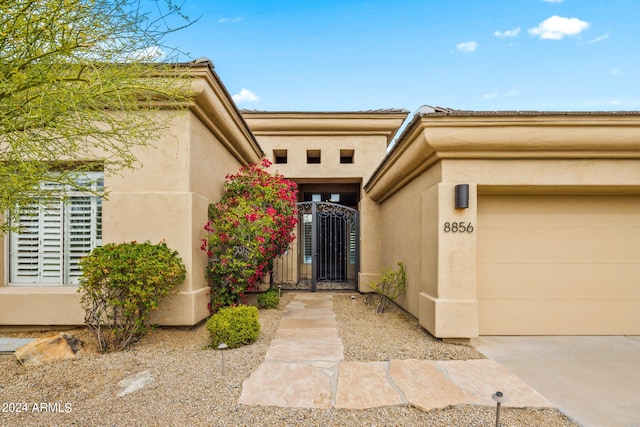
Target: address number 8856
[{"x": 458, "y": 227}]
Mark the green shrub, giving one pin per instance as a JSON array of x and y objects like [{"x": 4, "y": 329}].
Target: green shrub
[
  {"x": 269, "y": 299},
  {"x": 121, "y": 285},
  {"x": 389, "y": 287},
  {"x": 234, "y": 326}
]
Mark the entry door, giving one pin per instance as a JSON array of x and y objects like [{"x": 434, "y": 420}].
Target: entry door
[
  {"x": 326, "y": 249},
  {"x": 330, "y": 244}
]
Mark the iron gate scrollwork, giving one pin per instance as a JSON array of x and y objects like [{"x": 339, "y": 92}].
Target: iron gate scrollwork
[{"x": 325, "y": 254}]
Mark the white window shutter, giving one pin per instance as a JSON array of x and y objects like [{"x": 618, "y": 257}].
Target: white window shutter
[
  {"x": 36, "y": 251},
  {"x": 79, "y": 234},
  {"x": 54, "y": 237},
  {"x": 25, "y": 247},
  {"x": 51, "y": 243}
]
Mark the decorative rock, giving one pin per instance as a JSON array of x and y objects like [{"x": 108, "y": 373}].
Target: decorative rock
[
  {"x": 49, "y": 349},
  {"x": 134, "y": 383}
]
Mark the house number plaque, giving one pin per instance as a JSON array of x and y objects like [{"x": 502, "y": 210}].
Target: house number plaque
[{"x": 458, "y": 227}]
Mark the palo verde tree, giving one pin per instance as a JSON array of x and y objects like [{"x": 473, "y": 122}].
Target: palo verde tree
[{"x": 71, "y": 74}]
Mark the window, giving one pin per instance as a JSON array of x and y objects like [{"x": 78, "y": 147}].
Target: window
[
  {"x": 54, "y": 236},
  {"x": 280, "y": 156},
  {"x": 313, "y": 156},
  {"x": 346, "y": 156}
]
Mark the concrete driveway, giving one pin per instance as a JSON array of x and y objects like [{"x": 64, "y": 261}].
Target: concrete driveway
[{"x": 594, "y": 380}]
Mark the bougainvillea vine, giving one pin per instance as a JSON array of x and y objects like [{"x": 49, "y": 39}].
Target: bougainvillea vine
[{"x": 251, "y": 225}]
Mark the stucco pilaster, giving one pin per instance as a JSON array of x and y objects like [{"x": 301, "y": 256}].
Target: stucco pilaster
[
  {"x": 370, "y": 243},
  {"x": 448, "y": 305}
]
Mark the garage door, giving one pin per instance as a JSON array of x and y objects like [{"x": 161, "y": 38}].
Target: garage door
[{"x": 558, "y": 265}]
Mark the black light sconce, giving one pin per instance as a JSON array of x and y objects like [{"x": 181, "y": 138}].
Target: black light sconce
[{"x": 462, "y": 196}]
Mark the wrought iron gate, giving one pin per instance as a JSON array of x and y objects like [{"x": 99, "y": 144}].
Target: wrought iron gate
[{"x": 325, "y": 253}]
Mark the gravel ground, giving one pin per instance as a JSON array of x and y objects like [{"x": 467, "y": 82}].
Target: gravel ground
[
  {"x": 395, "y": 334},
  {"x": 189, "y": 390}
]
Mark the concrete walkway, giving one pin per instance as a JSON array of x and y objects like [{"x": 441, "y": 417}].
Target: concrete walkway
[
  {"x": 595, "y": 380},
  {"x": 9, "y": 345},
  {"x": 304, "y": 367}
]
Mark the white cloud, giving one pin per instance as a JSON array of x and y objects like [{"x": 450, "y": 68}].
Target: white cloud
[
  {"x": 512, "y": 93},
  {"x": 553, "y": 1},
  {"x": 245, "y": 95},
  {"x": 614, "y": 102},
  {"x": 556, "y": 27},
  {"x": 507, "y": 33},
  {"x": 491, "y": 95},
  {"x": 467, "y": 47},
  {"x": 600, "y": 38},
  {"x": 229, "y": 20},
  {"x": 614, "y": 71}
]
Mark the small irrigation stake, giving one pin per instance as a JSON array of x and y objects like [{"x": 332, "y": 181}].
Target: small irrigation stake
[
  {"x": 353, "y": 299},
  {"x": 279, "y": 290},
  {"x": 221, "y": 347},
  {"x": 499, "y": 398}
]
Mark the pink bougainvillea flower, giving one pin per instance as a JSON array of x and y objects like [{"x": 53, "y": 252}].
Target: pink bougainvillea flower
[{"x": 251, "y": 225}]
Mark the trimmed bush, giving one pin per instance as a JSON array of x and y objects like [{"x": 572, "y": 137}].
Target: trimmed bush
[
  {"x": 269, "y": 299},
  {"x": 234, "y": 326},
  {"x": 121, "y": 285}
]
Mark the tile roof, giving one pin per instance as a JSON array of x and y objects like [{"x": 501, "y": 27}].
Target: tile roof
[
  {"x": 443, "y": 111},
  {"x": 378, "y": 111}
]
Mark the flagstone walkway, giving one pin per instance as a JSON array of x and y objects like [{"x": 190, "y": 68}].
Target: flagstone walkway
[{"x": 304, "y": 367}]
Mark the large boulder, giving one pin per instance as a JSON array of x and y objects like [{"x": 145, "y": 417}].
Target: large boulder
[{"x": 49, "y": 349}]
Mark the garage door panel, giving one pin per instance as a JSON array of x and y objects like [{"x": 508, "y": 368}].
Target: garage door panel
[
  {"x": 514, "y": 211},
  {"x": 558, "y": 281},
  {"x": 551, "y": 244},
  {"x": 558, "y": 264},
  {"x": 559, "y": 317}
]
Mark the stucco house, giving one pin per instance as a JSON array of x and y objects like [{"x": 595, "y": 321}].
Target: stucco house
[{"x": 512, "y": 223}]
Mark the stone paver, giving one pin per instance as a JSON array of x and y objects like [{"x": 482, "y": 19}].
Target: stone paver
[
  {"x": 300, "y": 367},
  {"x": 307, "y": 324},
  {"x": 289, "y": 385},
  {"x": 316, "y": 333},
  {"x": 424, "y": 385},
  {"x": 304, "y": 349},
  {"x": 364, "y": 385},
  {"x": 304, "y": 367}
]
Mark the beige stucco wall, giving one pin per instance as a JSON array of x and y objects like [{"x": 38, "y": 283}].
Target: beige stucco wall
[
  {"x": 439, "y": 266},
  {"x": 366, "y": 133},
  {"x": 166, "y": 198},
  {"x": 368, "y": 152},
  {"x": 507, "y": 154}
]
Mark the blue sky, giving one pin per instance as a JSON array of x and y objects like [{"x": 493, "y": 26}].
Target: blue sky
[{"x": 332, "y": 55}]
